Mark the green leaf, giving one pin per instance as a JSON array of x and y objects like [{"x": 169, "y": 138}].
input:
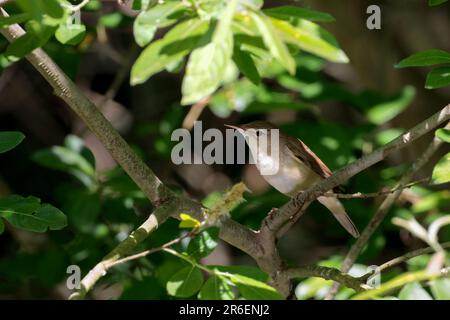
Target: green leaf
[
  {"x": 216, "y": 288},
  {"x": 82, "y": 208},
  {"x": 425, "y": 58},
  {"x": 441, "y": 171},
  {"x": 311, "y": 38},
  {"x": 2, "y": 226},
  {"x": 414, "y": 291},
  {"x": 14, "y": 203},
  {"x": 49, "y": 12},
  {"x": 436, "y": 2},
  {"x": 443, "y": 134},
  {"x": 207, "y": 65},
  {"x": 246, "y": 65},
  {"x": 37, "y": 34},
  {"x": 250, "y": 272},
  {"x": 203, "y": 244},
  {"x": 441, "y": 289},
  {"x": 188, "y": 222},
  {"x": 71, "y": 34},
  {"x": 385, "y": 111},
  {"x": 29, "y": 214},
  {"x": 252, "y": 289},
  {"x": 147, "y": 22},
  {"x": 17, "y": 18},
  {"x": 177, "y": 43},
  {"x": 288, "y": 12},
  {"x": 111, "y": 20},
  {"x": 388, "y": 135},
  {"x": 273, "y": 42},
  {"x": 64, "y": 159},
  {"x": 185, "y": 283},
  {"x": 9, "y": 140},
  {"x": 438, "y": 78}
]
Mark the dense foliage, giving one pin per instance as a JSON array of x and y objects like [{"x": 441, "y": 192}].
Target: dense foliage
[{"x": 245, "y": 61}]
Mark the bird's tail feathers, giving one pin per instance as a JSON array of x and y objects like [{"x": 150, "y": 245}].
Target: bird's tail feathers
[{"x": 338, "y": 210}]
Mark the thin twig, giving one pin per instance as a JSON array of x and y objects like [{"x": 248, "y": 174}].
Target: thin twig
[
  {"x": 359, "y": 195},
  {"x": 153, "y": 250},
  {"x": 326, "y": 273},
  {"x": 419, "y": 252},
  {"x": 195, "y": 112}
]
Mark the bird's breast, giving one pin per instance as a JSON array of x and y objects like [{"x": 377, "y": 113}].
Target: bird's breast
[{"x": 291, "y": 177}]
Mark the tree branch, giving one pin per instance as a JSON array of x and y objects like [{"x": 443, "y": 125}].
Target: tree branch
[
  {"x": 359, "y": 195},
  {"x": 398, "y": 260},
  {"x": 384, "y": 208},
  {"x": 356, "y": 284}
]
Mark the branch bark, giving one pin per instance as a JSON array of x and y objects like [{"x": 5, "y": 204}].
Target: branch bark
[{"x": 356, "y": 284}]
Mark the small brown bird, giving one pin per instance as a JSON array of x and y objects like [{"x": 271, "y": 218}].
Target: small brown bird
[{"x": 298, "y": 167}]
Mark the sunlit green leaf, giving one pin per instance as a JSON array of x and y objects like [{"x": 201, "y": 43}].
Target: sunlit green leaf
[
  {"x": 172, "y": 48},
  {"x": 425, "y": 58},
  {"x": 414, "y": 291},
  {"x": 385, "y": 111},
  {"x": 443, "y": 134},
  {"x": 287, "y": 12},
  {"x": 441, "y": 288},
  {"x": 438, "y": 78},
  {"x": 253, "y": 289},
  {"x": 216, "y": 288},
  {"x": 111, "y": 20},
  {"x": 207, "y": 65},
  {"x": 10, "y": 139},
  {"x": 17, "y": 18},
  {"x": 441, "y": 171},
  {"x": 388, "y": 135},
  {"x": 188, "y": 222},
  {"x": 60, "y": 158},
  {"x": 273, "y": 42},
  {"x": 148, "y": 21},
  {"x": 71, "y": 34},
  {"x": 37, "y": 34},
  {"x": 203, "y": 244},
  {"x": 185, "y": 283},
  {"x": 311, "y": 38}
]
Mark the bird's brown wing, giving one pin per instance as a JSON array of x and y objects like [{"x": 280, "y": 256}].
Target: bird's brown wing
[
  {"x": 308, "y": 157},
  {"x": 303, "y": 153}
]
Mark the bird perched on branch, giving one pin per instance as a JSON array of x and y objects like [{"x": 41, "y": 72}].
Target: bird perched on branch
[{"x": 297, "y": 167}]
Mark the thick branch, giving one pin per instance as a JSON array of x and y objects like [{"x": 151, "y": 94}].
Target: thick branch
[{"x": 384, "y": 208}]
